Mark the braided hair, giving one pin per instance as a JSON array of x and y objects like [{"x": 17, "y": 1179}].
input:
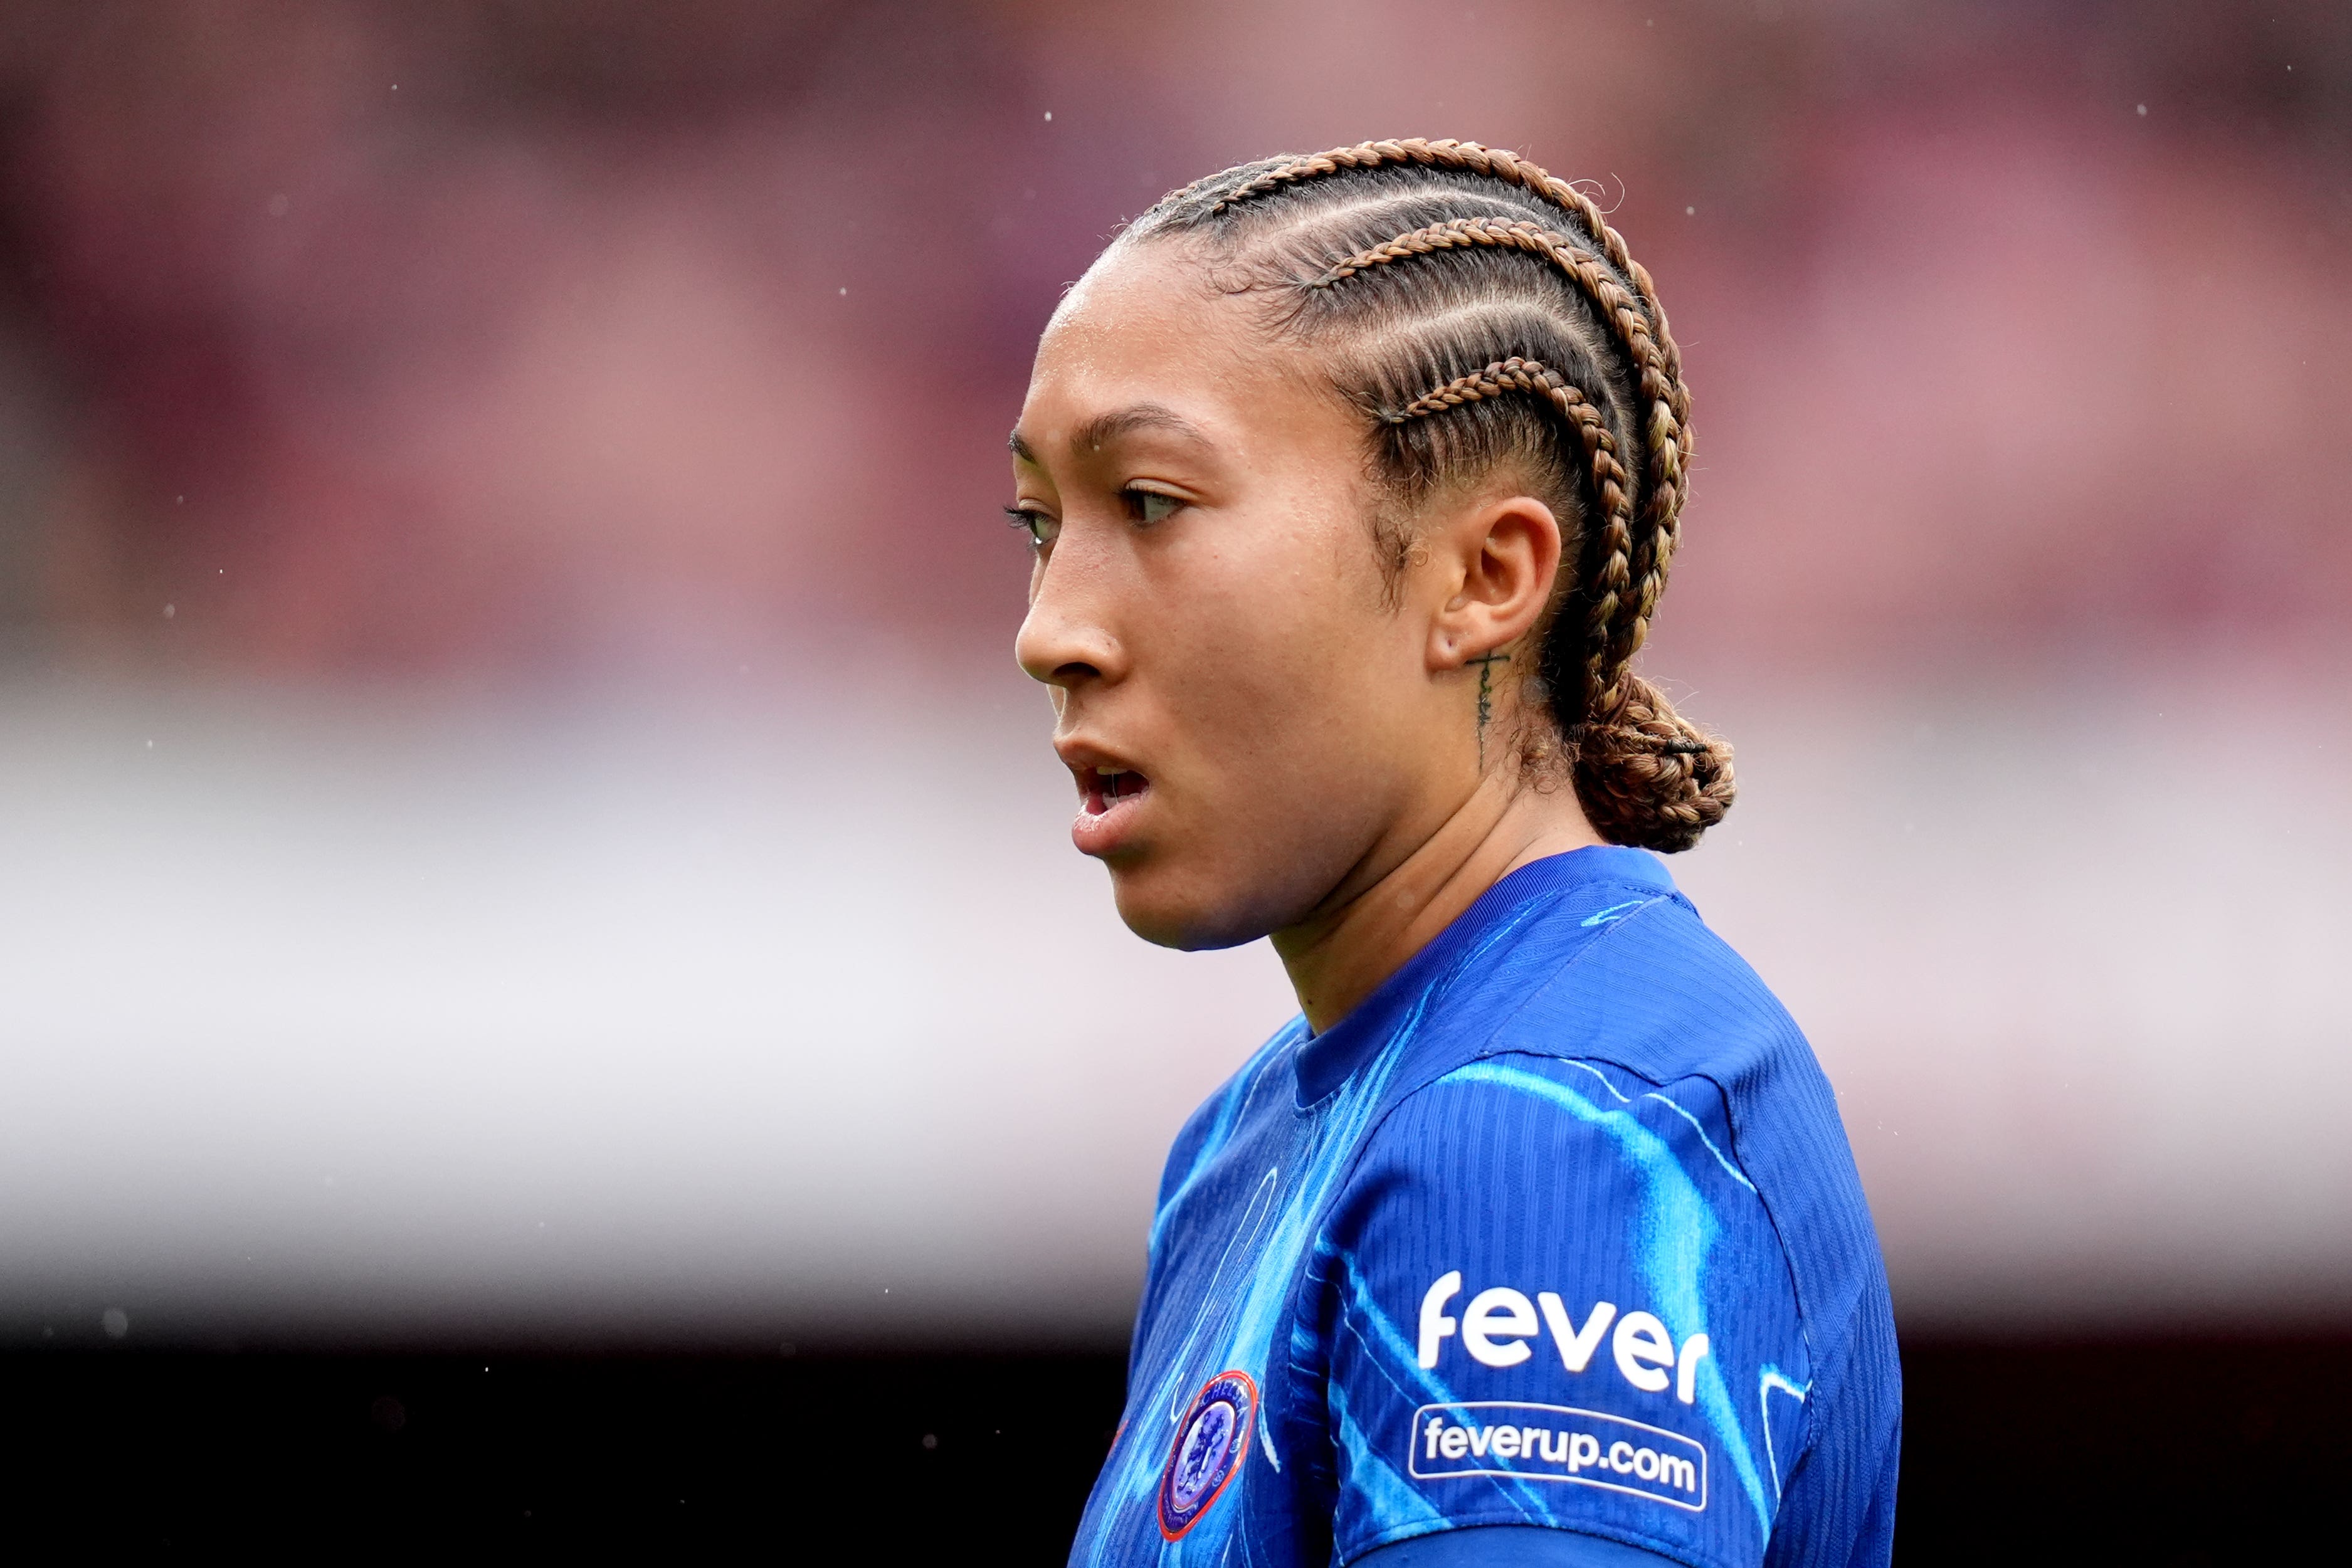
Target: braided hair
[{"x": 1486, "y": 314}]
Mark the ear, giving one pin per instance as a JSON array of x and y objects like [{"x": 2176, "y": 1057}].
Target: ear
[{"x": 1495, "y": 562}]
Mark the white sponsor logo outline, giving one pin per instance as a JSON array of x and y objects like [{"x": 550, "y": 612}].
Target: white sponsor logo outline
[{"x": 1413, "y": 1436}]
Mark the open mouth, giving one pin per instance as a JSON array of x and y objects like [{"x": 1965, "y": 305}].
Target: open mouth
[{"x": 1101, "y": 789}]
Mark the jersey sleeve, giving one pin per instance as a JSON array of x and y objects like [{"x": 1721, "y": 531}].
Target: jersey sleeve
[
  {"x": 1510, "y": 1546},
  {"x": 1551, "y": 1297}
]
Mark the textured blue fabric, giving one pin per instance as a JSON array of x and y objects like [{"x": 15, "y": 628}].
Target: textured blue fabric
[
  {"x": 1510, "y": 1546},
  {"x": 1559, "y": 1229}
]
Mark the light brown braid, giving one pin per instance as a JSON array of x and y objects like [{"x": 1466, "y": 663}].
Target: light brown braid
[
  {"x": 1445, "y": 348},
  {"x": 1662, "y": 379},
  {"x": 1609, "y": 488},
  {"x": 1496, "y": 163},
  {"x": 1620, "y": 621}
]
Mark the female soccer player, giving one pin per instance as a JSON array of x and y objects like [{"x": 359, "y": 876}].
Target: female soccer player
[{"x": 1353, "y": 481}]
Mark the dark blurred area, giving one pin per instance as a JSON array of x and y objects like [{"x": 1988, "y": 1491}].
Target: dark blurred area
[
  {"x": 2012, "y": 1452},
  {"x": 445, "y": 427}
]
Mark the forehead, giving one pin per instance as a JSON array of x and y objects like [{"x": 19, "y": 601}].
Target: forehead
[{"x": 1147, "y": 325}]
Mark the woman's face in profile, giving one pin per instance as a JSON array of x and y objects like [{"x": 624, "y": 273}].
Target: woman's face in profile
[{"x": 1207, "y": 606}]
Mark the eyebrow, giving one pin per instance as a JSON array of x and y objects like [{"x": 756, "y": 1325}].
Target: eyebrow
[{"x": 1105, "y": 428}]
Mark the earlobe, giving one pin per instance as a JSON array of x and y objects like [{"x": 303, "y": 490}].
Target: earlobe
[{"x": 1507, "y": 552}]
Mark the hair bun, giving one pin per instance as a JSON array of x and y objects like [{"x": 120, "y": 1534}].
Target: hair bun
[
  {"x": 1648, "y": 778},
  {"x": 1490, "y": 318}
]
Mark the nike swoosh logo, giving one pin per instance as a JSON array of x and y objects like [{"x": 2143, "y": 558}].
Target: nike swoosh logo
[{"x": 1613, "y": 913}]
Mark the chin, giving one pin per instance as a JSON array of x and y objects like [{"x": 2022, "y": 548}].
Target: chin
[{"x": 1159, "y": 907}]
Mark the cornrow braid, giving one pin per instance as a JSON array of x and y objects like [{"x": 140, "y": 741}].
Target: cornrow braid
[
  {"x": 1625, "y": 623},
  {"x": 1486, "y": 314},
  {"x": 1607, "y": 479},
  {"x": 1496, "y": 163}
]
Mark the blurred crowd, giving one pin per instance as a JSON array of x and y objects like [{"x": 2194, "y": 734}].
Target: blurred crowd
[
  {"x": 451, "y": 340},
  {"x": 501, "y": 552}
]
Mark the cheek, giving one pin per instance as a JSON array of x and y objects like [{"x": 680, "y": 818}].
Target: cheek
[
  {"x": 1285, "y": 691},
  {"x": 1283, "y": 674}
]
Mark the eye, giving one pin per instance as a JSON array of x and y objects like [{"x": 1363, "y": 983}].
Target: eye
[
  {"x": 1041, "y": 529},
  {"x": 1147, "y": 506}
]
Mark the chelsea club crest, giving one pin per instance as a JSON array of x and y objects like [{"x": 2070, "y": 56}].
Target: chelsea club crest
[{"x": 1211, "y": 1442}]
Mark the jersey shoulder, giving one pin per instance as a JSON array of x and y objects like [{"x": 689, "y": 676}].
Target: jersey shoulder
[
  {"x": 1644, "y": 986},
  {"x": 1553, "y": 1298},
  {"x": 1614, "y": 1033},
  {"x": 1654, "y": 988}
]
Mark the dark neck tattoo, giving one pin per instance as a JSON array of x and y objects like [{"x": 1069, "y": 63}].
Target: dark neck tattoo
[{"x": 1485, "y": 663}]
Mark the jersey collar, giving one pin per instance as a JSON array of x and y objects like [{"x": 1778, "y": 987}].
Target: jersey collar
[{"x": 1324, "y": 1060}]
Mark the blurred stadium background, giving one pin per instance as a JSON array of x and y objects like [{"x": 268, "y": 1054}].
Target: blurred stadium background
[{"x": 525, "y": 849}]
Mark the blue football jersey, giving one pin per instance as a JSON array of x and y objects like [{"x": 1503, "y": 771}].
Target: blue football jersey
[{"x": 1559, "y": 1229}]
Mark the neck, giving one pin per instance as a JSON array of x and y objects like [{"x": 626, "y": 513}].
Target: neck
[{"x": 1364, "y": 933}]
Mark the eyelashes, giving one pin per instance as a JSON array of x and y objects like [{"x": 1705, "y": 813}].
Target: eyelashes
[
  {"x": 1145, "y": 508},
  {"x": 1041, "y": 529}
]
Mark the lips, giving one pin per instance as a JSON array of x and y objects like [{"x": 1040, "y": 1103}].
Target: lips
[
  {"x": 1102, "y": 788},
  {"x": 1109, "y": 797}
]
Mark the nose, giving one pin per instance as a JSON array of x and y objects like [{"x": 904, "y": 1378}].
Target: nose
[{"x": 1064, "y": 640}]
